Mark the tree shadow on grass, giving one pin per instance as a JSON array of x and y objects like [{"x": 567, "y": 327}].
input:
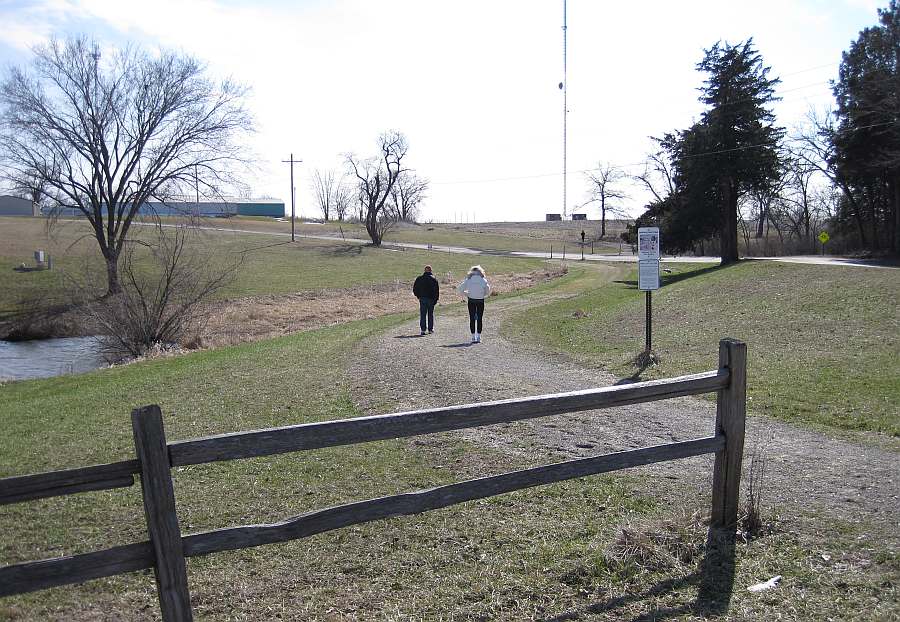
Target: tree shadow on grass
[
  {"x": 670, "y": 279},
  {"x": 264, "y": 246},
  {"x": 714, "y": 580},
  {"x": 343, "y": 250}
]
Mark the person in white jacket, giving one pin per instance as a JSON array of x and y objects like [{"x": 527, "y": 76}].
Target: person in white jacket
[{"x": 476, "y": 288}]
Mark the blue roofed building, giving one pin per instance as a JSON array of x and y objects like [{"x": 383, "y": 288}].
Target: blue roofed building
[{"x": 213, "y": 208}]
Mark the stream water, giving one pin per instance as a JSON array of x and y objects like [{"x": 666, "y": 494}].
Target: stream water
[{"x": 43, "y": 358}]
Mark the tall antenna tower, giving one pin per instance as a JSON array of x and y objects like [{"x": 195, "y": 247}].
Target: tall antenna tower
[
  {"x": 95, "y": 54},
  {"x": 564, "y": 86}
]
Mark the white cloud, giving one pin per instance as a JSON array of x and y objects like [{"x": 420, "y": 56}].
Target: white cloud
[{"x": 28, "y": 24}]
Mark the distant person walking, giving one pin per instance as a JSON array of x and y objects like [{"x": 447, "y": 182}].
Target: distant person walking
[
  {"x": 427, "y": 290},
  {"x": 476, "y": 288}
]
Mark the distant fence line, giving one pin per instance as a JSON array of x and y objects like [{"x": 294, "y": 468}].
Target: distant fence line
[{"x": 167, "y": 549}]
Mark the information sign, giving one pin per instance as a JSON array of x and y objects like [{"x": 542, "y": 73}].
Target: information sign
[
  {"x": 648, "y": 243},
  {"x": 648, "y": 274}
]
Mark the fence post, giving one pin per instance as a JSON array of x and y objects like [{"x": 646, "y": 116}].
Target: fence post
[
  {"x": 159, "y": 510},
  {"x": 731, "y": 411}
]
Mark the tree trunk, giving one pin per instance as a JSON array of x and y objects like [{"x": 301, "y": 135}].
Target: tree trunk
[
  {"x": 113, "y": 286},
  {"x": 372, "y": 227},
  {"x": 602, "y": 218},
  {"x": 729, "y": 230},
  {"x": 894, "y": 216},
  {"x": 761, "y": 221}
]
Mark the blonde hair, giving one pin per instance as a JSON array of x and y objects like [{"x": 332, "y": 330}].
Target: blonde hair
[{"x": 475, "y": 269}]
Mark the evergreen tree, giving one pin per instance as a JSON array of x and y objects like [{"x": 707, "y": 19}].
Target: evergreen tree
[
  {"x": 732, "y": 150},
  {"x": 867, "y": 140}
]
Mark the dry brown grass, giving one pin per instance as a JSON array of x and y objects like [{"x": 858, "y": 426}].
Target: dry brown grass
[
  {"x": 263, "y": 317},
  {"x": 661, "y": 544}
]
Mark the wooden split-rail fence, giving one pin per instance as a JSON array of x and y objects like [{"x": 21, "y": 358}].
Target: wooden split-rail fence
[{"x": 167, "y": 548}]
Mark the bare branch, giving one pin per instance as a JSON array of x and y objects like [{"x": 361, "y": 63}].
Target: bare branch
[
  {"x": 376, "y": 178},
  {"x": 604, "y": 190},
  {"x": 103, "y": 139}
]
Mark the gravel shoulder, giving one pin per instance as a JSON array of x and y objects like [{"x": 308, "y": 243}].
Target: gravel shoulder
[{"x": 807, "y": 473}]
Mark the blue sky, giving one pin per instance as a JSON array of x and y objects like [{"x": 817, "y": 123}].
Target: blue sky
[{"x": 473, "y": 84}]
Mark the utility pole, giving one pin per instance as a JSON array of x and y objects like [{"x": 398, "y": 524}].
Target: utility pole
[
  {"x": 293, "y": 211},
  {"x": 95, "y": 54},
  {"x": 564, "y": 87}
]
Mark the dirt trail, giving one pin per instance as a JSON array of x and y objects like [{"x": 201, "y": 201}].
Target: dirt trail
[{"x": 806, "y": 471}]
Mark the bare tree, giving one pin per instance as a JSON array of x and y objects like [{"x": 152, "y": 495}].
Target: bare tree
[
  {"x": 604, "y": 190},
  {"x": 167, "y": 277},
  {"x": 813, "y": 144},
  {"x": 657, "y": 176},
  {"x": 107, "y": 137},
  {"x": 324, "y": 186},
  {"x": 766, "y": 199},
  {"x": 809, "y": 200},
  {"x": 407, "y": 195},
  {"x": 343, "y": 197},
  {"x": 376, "y": 178}
]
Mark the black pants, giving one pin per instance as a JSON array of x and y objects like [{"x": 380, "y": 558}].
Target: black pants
[
  {"x": 476, "y": 312},
  {"x": 426, "y": 314}
]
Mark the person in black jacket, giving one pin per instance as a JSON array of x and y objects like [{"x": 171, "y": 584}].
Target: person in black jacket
[{"x": 427, "y": 290}]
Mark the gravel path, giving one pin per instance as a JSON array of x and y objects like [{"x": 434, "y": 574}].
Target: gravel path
[{"x": 806, "y": 472}]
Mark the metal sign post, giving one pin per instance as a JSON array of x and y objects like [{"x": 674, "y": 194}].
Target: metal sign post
[
  {"x": 648, "y": 275},
  {"x": 823, "y": 238}
]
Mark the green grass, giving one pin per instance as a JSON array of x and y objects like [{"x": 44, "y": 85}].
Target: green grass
[
  {"x": 315, "y": 264},
  {"x": 823, "y": 341},
  {"x": 534, "y": 554},
  {"x": 270, "y": 265},
  {"x": 76, "y": 420},
  {"x": 524, "y": 236},
  {"x": 481, "y": 238}
]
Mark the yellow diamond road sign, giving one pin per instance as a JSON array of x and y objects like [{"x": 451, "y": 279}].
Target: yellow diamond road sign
[{"x": 824, "y": 237}]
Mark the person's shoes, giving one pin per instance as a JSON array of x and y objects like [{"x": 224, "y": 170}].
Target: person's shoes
[
  {"x": 430, "y": 331},
  {"x": 474, "y": 340},
  {"x": 477, "y": 337},
  {"x": 422, "y": 333}
]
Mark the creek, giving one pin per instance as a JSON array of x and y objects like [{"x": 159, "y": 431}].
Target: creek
[{"x": 44, "y": 358}]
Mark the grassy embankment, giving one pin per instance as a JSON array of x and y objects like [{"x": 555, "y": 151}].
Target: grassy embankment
[
  {"x": 524, "y": 236},
  {"x": 270, "y": 265},
  {"x": 532, "y": 554},
  {"x": 823, "y": 341},
  {"x": 502, "y": 557}
]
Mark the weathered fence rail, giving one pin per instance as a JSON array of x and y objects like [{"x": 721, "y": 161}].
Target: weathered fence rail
[{"x": 166, "y": 549}]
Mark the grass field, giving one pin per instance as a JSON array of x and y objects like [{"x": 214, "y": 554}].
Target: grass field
[
  {"x": 558, "y": 550},
  {"x": 823, "y": 341},
  {"x": 270, "y": 265},
  {"x": 522, "y": 236},
  {"x": 604, "y": 548}
]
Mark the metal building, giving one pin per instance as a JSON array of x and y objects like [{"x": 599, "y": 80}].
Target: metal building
[
  {"x": 223, "y": 208},
  {"x": 15, "y": 206}
]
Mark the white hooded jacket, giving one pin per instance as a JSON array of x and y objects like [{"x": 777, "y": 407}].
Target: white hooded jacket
[{"x": 475, "y": 286}]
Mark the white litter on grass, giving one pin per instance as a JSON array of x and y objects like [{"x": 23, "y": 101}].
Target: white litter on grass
[{"x": 759, "y": 587}]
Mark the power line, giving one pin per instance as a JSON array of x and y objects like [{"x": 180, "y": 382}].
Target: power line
[{"x": 636, "y": 164}]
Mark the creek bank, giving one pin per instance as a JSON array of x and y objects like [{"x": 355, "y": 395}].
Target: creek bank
[
  {"x": 242, "y": 320},
  {"x": 48, "y": 321}
]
